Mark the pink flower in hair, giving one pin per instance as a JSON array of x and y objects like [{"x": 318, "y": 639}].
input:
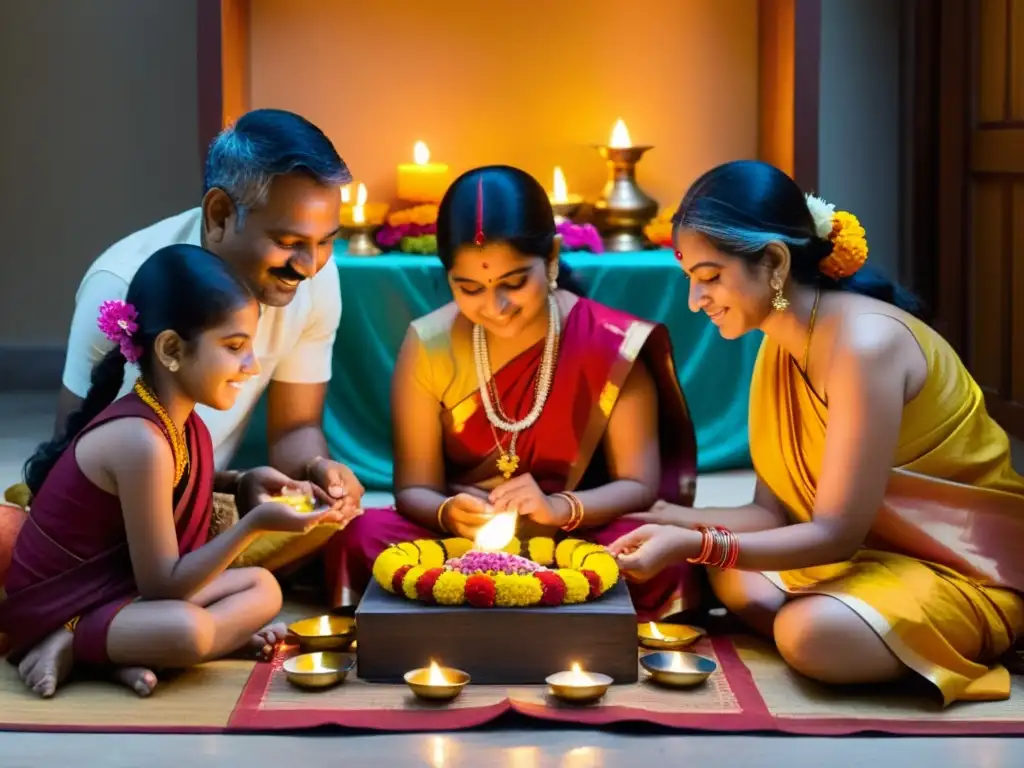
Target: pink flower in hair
[{"x": 117, "y": 320}]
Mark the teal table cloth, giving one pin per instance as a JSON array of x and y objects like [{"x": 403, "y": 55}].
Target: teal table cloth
[{"x": 382, "y": 295}]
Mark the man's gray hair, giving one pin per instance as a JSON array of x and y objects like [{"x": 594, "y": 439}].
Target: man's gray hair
[{"x": 245, "y": 157}]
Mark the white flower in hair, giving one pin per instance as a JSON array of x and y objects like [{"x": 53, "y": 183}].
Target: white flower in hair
[{"x": 823, "y": 213}]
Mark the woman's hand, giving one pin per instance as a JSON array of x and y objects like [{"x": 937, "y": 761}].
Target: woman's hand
[
  {"x": 464, "y": 515},
  {"x": 275, "y": 516},
  {"x": 337, "y": 482},
  {"x": 523, "y": 495},
  {"x": 263, "y": 483},
  {"x": 648, "y": 550}
]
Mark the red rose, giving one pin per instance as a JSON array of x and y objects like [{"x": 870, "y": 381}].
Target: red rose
[
  {"x": 396, "y": 580},
  {"x": 425, "y": 584},
  {"x": 480, "y": 591},
  {"x": 553, "y": 587},
  {"x": 595, "y": 583}
]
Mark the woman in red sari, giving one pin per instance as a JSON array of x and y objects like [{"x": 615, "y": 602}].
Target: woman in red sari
[
  {"x": 112, "y": 568},
  {"x": 522, "y": 394}
]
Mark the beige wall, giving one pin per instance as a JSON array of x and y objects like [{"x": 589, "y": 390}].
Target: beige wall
[
  {"x": 98, "y": 138},
  {"x": 534, "y": 83}
]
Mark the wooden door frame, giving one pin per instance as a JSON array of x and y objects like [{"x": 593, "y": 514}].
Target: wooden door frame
[{"x": 937, "y": 66}]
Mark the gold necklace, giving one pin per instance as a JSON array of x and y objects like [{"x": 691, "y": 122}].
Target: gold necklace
[
  {"x": 178, "y": 444},
  {"x": 810, "y": 331}
]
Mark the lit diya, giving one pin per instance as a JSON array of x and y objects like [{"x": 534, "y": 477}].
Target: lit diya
[
  {"x": 578, "y": 687},
  {"x": 675, "y": 669},
  {"x": 318, "y": 670},
  {"x": 667, "y": 636},
  {"x": 436, "y": 683},
  {"x": 324, "y": 633}
]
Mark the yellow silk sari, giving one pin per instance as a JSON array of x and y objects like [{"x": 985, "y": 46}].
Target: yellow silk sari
[{"x": 941, "y": 574}]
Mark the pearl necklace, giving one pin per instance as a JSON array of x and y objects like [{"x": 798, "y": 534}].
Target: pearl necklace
[{"x": 508, "y": 461}]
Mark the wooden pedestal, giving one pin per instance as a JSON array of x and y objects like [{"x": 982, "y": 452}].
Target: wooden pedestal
[{"x": 496, "y": 646}]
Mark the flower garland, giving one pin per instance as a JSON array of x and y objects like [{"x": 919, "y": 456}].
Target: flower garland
[
  {"x": 844, "y": 231},
  {"x": 411, "y": 230},
  {"x": 423, "y": 570},
  {"x": 579, "y": 237}
]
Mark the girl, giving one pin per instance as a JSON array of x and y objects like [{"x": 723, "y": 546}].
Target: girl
[
  {"x": 523, "y": 394},
  {"x": 885, "y": 531},
  {"x": 113, "y": 567}
]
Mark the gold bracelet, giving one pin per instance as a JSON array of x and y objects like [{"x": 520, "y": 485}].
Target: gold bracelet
[
  {"x": 575, "y": 511},
  {"x": 440, "y": 514},
  {"x": 71, "y": 625}
]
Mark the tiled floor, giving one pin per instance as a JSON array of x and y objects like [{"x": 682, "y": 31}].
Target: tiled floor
[{"x": 25, "y": 419}]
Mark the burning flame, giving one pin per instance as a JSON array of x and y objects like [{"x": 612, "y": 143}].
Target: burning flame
[
  {"x": 497, "y": 532},
  {"x": 421, "y": 153},
  {"x": 358, "y": 212},
  {"x": 435, "y": 676},
  {"x": 560, "y": 190},
  {"x": 620, "y": 136},
  {"x": 579, "y": 677},
  {"x": 325, "y": 626},
  {"x": 655, "y": 632},
  {"x": 346, "y": 194}
]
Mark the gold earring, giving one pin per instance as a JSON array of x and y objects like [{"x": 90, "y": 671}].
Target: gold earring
[
  {"x": 173, "y": 366},
  {"x": 779, "y": 302}
]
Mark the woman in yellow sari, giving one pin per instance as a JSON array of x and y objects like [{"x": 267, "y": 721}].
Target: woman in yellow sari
[{"x": 886, "y": 529}]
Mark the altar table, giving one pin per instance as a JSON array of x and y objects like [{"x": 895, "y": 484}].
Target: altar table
[{"x": 382, "y": 295}]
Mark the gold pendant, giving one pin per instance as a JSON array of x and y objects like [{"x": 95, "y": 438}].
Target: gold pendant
[{"x": 507, "y": 464}]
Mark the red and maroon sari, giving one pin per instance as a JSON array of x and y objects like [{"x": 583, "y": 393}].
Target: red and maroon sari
[
  {"x": 563, "y": 450},
  {"x": 71, "y": 558}
]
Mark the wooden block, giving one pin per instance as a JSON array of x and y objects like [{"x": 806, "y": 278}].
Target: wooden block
[{"x": 496, "y": 646}]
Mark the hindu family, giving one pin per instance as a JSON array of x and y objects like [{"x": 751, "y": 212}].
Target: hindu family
[{"x": 884, "y": 534}]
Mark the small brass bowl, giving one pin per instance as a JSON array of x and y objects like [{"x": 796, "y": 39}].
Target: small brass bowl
[
  {"x": 675, "y": 669},
  {"x": 565, "y": 686},
  {"x": 324, "y": 633},
  {"x": 674, "y": 636},
  {"x": 318, "y": 670},
  {"x": 418, "y": 682}
]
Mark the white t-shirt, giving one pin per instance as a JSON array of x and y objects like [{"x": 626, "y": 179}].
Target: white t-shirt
[{"x": 293, "y": 344}]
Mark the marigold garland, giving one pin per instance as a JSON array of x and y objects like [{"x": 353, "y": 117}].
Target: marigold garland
[
  {"x": 574, "y": 571},
  {"x": 849, "y": 247}
]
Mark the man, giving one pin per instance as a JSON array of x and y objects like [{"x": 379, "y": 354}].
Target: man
[{"x": 270, "y": 210}]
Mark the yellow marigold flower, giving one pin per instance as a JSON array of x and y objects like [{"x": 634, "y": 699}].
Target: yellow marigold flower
[
  {"x": 607, "y": 570},
  {"x": 512, "y": 591},
  {"x": 389, "y": 561},
  {"x": 849, "y": 247},
  {"x": 564, "y": 550},
  {"x": 542, "y": 550},
  {"x": 457, "y": 547},
  {"x": 410, "y": 579},
  {"x": 514, "y": 547},
  {"x": 431, "y": 554},
  {"x": 450, "y": 588},
  {"x": 579, "y": 555},
  {"x": 577, "y": 587},
  {"x": 410, "y": 549}
]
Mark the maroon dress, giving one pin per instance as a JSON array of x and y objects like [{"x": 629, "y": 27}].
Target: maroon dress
[{"x": 71, "y": 558}]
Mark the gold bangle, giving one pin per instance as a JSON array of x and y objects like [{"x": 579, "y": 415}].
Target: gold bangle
[
  {"x": 440, "y": 514},
  {"x": 575, "y": 511},
  {"x": 71, "y": 625}
]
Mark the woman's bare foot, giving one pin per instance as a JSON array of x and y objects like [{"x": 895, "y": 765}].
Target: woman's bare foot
[
  {"x": 48, "y": 664},
  {"x": 139, "y": 679},
  {"x": 263, "y": 642}
]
